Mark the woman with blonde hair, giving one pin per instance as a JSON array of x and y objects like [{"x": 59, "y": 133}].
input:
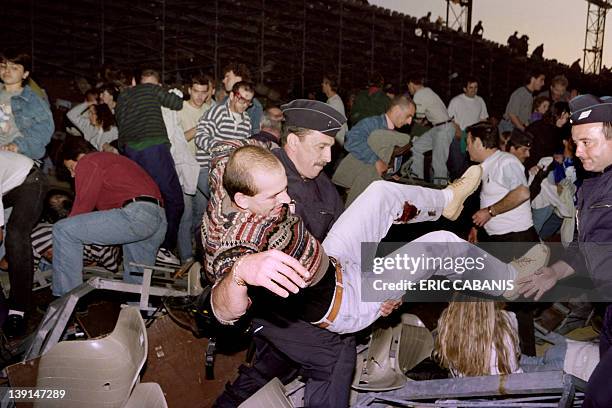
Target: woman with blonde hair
[{"x": 478, "y": 337}]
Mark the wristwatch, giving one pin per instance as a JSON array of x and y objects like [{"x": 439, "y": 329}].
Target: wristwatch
[{"x": 490, "y": 210}]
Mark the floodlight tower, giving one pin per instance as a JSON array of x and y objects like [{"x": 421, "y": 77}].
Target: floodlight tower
[
  {"x": 594, "y": 36},
  {"x": 459, "y": 15}
]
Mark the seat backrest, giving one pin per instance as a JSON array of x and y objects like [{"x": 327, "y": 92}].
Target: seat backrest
[
  {"x": 99, "y": 372},
  {"x": 149, "y": 395}
]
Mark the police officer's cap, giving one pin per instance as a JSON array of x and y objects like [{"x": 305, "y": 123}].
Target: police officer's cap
[
  {"x": 590, "y": 109},
  {"x": 314, "y": 115}
]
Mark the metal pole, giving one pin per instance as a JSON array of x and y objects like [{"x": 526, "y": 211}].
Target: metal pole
[
  {"x": 32, "y": 32},
  {"x": 401, "y": 67},
  {"x": 102, "y": 30},
  {"x": 469, "y": 17},
  {"x": 303, "y": 47},
  {"x": 261, "y": 52},
  {"x": 216, "y": 47},
  {"x": 163, "y": 42},
  {"x": 372, "y": 45},
  {"x": 340, "y": 43}
]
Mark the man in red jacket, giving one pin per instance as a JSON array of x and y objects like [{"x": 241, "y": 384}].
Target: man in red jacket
[{"x": 129, "y": 212}]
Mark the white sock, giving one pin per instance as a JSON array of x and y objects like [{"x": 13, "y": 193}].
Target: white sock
[
  {"x": 448, "y": 196},
  {"x": 16, "y": 312}
]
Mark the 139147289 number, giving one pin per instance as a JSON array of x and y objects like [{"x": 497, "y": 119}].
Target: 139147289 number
[{"x": 17, "y": 394}]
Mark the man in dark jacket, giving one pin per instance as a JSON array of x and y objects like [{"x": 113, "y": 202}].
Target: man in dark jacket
[
  {"x": 591, "y": 250},
  {"x": 286, "y": 348}
]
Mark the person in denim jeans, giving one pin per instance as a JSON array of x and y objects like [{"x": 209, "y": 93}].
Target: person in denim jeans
[
  {"x": 130, "y": 213},
  {"x": 26, "y": 123}
]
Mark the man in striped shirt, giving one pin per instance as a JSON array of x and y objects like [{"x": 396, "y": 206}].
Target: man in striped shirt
[{"x": 223, "y": 122}]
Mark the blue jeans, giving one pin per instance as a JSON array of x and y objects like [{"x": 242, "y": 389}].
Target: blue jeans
[
  {"x": 201, "y": 199},
  {"x": 139, "y": 226},
  {"x": 185, "y": 231}
]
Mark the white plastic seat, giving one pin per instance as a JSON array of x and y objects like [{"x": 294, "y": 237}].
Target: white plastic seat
[
  {"x": 270, "y": 395},
  {"x": 149, "y": 395},
  {"x": 100, "y": 372}
]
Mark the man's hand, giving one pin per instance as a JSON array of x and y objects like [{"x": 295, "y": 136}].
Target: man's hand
[
  {"x": 274, "y": 270},
  {"x": 389, "y": 306},
  {"x": 473, "y": 235},
  {"x": 538, "y": 283},
  {"x": 11, "y": 147},
  {"x": 481, "y": 217},
  {"x": 381, "y": 167}
]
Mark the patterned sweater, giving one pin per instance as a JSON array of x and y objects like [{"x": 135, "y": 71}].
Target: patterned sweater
[{"x": 228, "y": 233}]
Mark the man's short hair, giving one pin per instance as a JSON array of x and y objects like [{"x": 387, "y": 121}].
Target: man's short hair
[
  {"x": 607, "y": 130},
  {"x": 469, "y": 80},
  {"x": 486, "y": 132},
  {"x": 17, "y": 56},
  {"x": 403, "y": 101},
  {"x": 300, "y": 132},
  {"x": 71, "y": 148},
  {"x": 147, "y": 73},
  {"x": 240, "y": 70},
  {"x": 238, "y": 175},
  {"x": 559, "y": 80},
  {"x": 269, "y": 123},
  {"x": 201, "y": 79},
  {"x": 245, "y": 85},
  {"x": 534, "y": 73},
  {"x": 416, "y": 79},
  {"x": 332, "y": 80}
]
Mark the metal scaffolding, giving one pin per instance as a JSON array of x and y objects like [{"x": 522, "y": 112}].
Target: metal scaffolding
[
  {"x": 459, "y": 15},
  {"x": 594, "y": 36}
]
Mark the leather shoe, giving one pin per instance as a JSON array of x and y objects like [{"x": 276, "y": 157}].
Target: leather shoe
[{"x": 14, "y": 326}]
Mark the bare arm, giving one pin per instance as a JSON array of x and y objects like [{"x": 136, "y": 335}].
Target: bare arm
[
  {"x": 516, "y": 121},
  {"x": 190, "y": 134},
  {"x": 510, "y": 201}
]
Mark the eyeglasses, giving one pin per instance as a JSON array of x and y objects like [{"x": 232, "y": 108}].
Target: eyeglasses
[{"x": 242, "y": 99}]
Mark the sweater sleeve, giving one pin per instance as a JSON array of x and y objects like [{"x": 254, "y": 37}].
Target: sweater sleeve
[{"x": 169, "y": 99}]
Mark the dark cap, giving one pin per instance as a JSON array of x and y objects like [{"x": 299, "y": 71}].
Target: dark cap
[
  {"x": 314, "y": 115},
  {"x": 590, "y": 109},
  {"x": 519, "y": 138}
]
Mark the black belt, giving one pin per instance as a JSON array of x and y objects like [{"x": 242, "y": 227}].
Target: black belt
[
  {"x": 146, "y": 199},
  {"x": 443, "y": 123}
]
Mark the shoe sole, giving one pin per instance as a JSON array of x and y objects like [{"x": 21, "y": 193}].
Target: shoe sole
[
  {"x": 457, "y": 212},
  {"x": 513, "y": 295}
]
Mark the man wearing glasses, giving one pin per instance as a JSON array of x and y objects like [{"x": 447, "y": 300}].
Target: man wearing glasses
[{"x": 226, "y": 121}]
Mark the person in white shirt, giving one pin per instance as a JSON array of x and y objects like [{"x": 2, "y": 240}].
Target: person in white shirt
[
  {"x": 200, "y": 101},
  {"x": 437, "y": 139},
  {"x": 23, "y": 187},
  {"x": 329, "y": 86},
  {"x": 505, "y": 212},
  {"x": 465, "y": 109}
]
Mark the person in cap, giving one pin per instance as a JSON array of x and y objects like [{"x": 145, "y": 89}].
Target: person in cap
[
  {"x": 286, "y": 346},
  {"x": 256, "y": 247},
  {"x": 591, "y": 250},
  {"x": 519, "y": 144}
]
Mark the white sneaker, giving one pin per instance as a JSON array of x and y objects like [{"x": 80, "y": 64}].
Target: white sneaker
[
  {"x": 462, "y": 188},
  {"x": 537, "y": 257},
  {"x": 167, "y": 257}
]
